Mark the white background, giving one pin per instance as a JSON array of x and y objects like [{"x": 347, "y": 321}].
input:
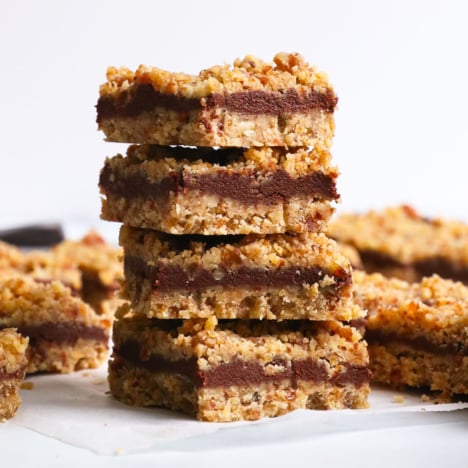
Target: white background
[{"x": 400, "y": 69}]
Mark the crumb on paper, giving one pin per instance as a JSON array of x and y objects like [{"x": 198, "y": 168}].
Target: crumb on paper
[
  {"x": 3, "y": 420},
  {"x": 118, "y": 451},
  {"x": 441, "y": 398},
  {"x": 85, "y": 374},
  {"x": 27, "y": 385},
  {"x": 398, "y": 399}
]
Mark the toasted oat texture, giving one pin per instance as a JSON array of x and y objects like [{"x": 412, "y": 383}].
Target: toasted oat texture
[
  {"x": 90, "y": 267},
  {"x": 251, "y": 103},
  {"x": 239, "y": 369},
  {"x": 400, "y": 242},
  {"x": 275, "y": 277},
  {"x": 215, "y": 192},
  {"x": 12, "y": 368},
  {"x": 417, "y": 333},
  {"x": 65, "y": 333}
]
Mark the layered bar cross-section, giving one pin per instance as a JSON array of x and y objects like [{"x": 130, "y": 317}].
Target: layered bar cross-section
[
  {"x": 402, "y": 243},
  {"x": 210, "y": 191},
  {"x": 274, "y": 277},
  {"x": 90, "y": 267},
  {"x": 238, "y": 369},
  {"x": 252, "y": 103},
  {"x": 417, "y": 333},
  {"x": 65, "y": 333}
]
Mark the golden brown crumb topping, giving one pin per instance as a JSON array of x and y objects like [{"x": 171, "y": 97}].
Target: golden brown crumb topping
[
  {"x": 403, "y": 234},
  {"x": 435, "y": 306},
  {"x": 288, "y": 70},
  {"x": 12, "y": 350}
]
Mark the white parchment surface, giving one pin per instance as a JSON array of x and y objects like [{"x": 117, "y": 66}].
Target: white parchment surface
[{"x": 77, "y": 409}]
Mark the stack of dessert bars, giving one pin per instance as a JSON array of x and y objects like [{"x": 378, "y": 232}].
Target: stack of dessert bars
[{"x": 237, "y": 301}]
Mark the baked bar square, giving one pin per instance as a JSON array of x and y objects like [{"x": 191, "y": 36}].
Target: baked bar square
[
  {"x": 252, "y": 103},
  {"x": 209, "y": 191},
  {"x": 65, "y": 333},
  {"x": 275, "y": 277},
  {"x": 237, "y": 369},
  {"x": 90, "y": 267},
  {"x": 417, "y": 333},
  {"x": 399, "y": 242},
  {"x": 12, "y": 369}
]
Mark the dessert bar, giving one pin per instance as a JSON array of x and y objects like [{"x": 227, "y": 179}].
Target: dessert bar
[
  {"x": 417, "y": 333},
  {"x": 12, "y": 369},
  {"x": 101, "y": 269},
  {"x": 210, "y": 191},
  {"x": 90, "y": 267},
  {"x": 274, "y": 277},
  {"x": 400, "y": 242},
  {"x": 252, "y": 103},
  {"x": 238, "y": 369},
  {"x": 65, "y": 333}
]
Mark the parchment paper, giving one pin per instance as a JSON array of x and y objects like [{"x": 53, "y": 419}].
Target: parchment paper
[{"x": 78, "y": 410}]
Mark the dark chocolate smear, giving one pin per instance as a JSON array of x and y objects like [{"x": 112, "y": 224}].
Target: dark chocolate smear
[
  {"x": 241, "y": 372},
  {"x": 421, "y": 343},
  {"x": 248, "y": 188},
  {"x": 145, "y": 99},
  {"x": 66, "y": 333},
  {"x": 165, "y": 277}
]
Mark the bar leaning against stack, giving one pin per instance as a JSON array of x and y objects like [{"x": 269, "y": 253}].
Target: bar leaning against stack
[{"x": 236, "y": 297}]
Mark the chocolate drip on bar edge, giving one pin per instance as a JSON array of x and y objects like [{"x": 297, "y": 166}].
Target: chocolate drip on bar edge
[
  {"x": 144, "y": 99},
  {"x": 240, "y": 372},
  {"x": 66, "y": 333},
  {"x": 166, "y": 278},
  {"x": 272, "y": 188}
]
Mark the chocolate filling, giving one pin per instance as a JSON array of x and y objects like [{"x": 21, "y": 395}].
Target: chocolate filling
[
  {"x": 375, "y": 261},
  {"x": 248, "y": 188},
  {"x": 165, "y": 277},
  {"x": 420, "y": 343},
  {"x": 144, "y": 99},
  {"x": 239, "y": 372},
  {"x": 62, "y": 333}
]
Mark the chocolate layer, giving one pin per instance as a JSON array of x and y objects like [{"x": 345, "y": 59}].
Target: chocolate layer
[
  {"x": 420, "y": 343},
  {"x": 239, "y": 372},
  {"x": 61, "y": 333},
  {"x": 248, "y": 188},
  {"x": 145, "y": 99},
  {"x": 165, "y": 277},
  {"x": 375, "y": 261}
]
